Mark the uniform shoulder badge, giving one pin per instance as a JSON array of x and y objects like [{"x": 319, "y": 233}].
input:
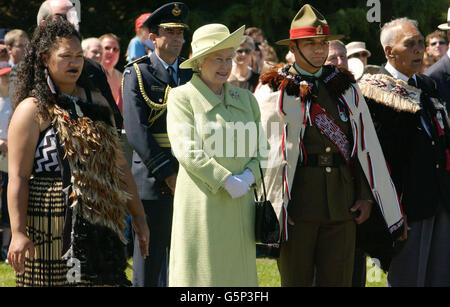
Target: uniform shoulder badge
[
  {"x": 137, "y": 61},
  {"x": 181, "y": 59}
]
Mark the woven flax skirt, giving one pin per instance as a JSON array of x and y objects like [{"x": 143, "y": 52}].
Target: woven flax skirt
[{"x": 45, "y": 219}]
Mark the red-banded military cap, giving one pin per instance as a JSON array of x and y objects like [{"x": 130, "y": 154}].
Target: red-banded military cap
[{"x": 308, "y": 23}]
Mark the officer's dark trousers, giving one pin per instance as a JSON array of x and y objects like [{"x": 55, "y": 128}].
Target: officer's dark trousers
[{"x": 153, "y": 271}]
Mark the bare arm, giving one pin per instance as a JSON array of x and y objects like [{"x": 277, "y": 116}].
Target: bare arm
[
  {"x": 23, "y": 135},
  {"x": 134, "y": 206}
]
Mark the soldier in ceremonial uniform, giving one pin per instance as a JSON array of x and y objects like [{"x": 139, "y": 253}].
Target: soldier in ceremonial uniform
[
  {"x": 146, "y": 84},
  {"x": 325, "y": 160}
]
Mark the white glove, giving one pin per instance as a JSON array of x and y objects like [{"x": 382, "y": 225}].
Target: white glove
[
  {"x": 247, "y": 176},
  {"x": 236, "y": 187}
]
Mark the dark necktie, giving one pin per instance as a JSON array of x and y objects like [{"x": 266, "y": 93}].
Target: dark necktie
[
  {"x": 412, "y": 82},
  {"x": 314, "y": 81},
  {"x": 171, "y": 73}
]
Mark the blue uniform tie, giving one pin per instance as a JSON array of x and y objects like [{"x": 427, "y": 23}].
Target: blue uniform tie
[{"x": 171, "y": 71}]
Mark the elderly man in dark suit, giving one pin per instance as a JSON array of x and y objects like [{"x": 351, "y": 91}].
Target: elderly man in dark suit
[
  {"x": 413, "y": 130},
  {"x": 147, "y": 82},
  {"x": 440, "y": 71}
]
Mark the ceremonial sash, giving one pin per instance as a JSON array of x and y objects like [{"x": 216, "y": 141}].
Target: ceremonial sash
[
  {"x": 279, "y": 95},
  {"x": 331, "y": 130}
]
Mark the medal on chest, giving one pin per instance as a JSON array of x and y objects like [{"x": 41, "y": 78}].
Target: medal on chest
[
  {"x": 440, "y": 119},
  {"x": 342, "y": 114}
]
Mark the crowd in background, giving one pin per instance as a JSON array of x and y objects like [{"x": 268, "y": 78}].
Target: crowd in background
[{"x": 253, "y": 57}]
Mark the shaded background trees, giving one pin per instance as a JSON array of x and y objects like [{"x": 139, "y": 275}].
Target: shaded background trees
[{"x": 273, "y": 16}]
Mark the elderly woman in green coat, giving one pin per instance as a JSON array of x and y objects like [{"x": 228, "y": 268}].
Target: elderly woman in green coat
[{"x": 214, "y": 131}]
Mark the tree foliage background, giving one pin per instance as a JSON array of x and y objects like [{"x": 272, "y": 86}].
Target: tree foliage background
[{"x": 272, "y": 16}]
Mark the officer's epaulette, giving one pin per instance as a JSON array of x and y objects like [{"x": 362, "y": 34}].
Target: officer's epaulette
[
  {"x": 141, "y": 59},
  {"x": 181, "y": 59}
]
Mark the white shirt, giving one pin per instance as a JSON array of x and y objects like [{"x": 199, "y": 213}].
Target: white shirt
[
  {"x": 398, "y": 75},
  {"x": 5, "y": 116}
]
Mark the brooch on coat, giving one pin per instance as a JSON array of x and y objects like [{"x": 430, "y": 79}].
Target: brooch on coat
[{"x": 234, "y": 94}]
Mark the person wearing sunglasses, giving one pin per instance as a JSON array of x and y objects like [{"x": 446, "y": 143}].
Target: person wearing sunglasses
[
  {"x": 437, "y": 44},
  {"x": 440, "y": 71},
  {"x": 358, "y": 50},
  {"x": 413, "y": 131},
  {"x": 241, "y": 75}
]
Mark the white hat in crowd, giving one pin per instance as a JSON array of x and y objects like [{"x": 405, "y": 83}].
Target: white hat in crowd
[{"x": 356, "y": 47}]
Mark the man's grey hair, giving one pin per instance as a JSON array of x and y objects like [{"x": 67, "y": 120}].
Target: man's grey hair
[
  {"x": 389, "y": 35},
  {"x": 45, "y": 12},
  {"x": 338, "y": 43},
  {"x": 85, "y": 43}
]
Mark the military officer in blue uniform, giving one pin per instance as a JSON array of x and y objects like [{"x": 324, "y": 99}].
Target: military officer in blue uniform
[{"x": 146, "y": 83}]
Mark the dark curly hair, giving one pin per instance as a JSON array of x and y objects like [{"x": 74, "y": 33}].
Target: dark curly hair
[{"x": 31, "y": 78}]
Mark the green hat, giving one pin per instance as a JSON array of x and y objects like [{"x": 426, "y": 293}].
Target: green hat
[
  {"x": 210, "y": 38},
  {"x": 309, "y": 23}
]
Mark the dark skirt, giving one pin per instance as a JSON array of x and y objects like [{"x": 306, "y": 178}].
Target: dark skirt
[
  {"x": 99, "y": 255},
  {"x": 45, "y": 220}
]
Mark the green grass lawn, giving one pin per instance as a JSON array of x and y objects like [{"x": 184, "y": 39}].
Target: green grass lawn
[
  {"x": 6, "y": 276},
  {"x": 268, "y": 275}
]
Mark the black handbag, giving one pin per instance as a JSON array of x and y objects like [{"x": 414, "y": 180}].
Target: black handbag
[{"x": 267, "y": 226}]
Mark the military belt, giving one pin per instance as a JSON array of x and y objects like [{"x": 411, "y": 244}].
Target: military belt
[{"x": 324, "y": 160}]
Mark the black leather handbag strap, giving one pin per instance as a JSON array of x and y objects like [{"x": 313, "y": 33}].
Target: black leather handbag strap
[{"x": 264, "y": 186}]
